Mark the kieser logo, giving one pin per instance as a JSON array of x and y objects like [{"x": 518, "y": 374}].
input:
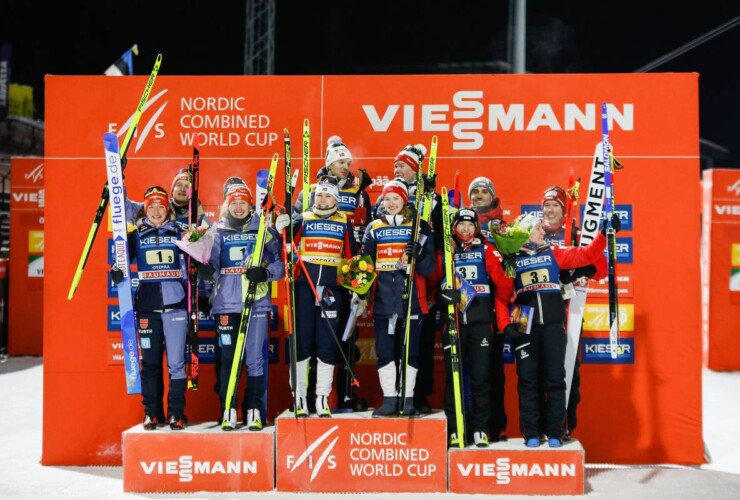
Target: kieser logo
[
  {"x": 185, "y": 467},
  {"x": 503, "y": 470},
  {"x": 470, "y": 117},
  {"x": 35, "y": 174},
  {"x": 735, "y": 188},
  {"x": 307, "y": 456}
]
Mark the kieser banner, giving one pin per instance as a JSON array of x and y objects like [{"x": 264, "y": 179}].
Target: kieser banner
[{"x": 524, "y": 132}]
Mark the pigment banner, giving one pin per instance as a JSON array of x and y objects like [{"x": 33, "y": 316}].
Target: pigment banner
[
  {"x": 720, "y": 255},
  {"x": 26, "y": 290},
  {"x": 525, "y": 132}
]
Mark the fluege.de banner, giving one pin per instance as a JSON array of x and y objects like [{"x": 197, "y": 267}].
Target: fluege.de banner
[{"x": 524, "y": 132}]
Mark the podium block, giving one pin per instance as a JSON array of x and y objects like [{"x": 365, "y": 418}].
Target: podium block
[
  {"x": 353, "y": 452},
  {"x": 510, "y": 468},
  {"x": 201, "y": 457}
]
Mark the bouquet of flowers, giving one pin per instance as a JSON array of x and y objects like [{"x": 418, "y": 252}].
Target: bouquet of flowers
[
  {"x": 509, "y": 238},
  {"x": 357, "y": 274},
  {"x": 198, "y": 243}
]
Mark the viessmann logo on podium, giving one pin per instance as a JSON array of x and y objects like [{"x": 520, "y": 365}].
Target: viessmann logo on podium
[{"x": 361, "y": 454}]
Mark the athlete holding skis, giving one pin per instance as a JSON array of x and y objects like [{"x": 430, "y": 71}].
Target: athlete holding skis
[
  {"x": 232, "y": 247},
  {"x": 322, "y": 236},
  {"x": 161, "y": 308},
  {"x": 390, "y": 243}
]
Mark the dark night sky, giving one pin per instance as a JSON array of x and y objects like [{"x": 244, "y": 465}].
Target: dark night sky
[{"x": 383, "y": 37}]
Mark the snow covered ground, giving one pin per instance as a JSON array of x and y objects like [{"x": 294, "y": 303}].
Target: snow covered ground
[{"x": 22, "y": 477}]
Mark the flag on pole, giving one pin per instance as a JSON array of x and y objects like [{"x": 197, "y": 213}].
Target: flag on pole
[{"x": 125, "y": 64}]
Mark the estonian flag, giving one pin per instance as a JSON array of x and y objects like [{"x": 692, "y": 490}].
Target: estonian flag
[{"x": 125, "y": 64}]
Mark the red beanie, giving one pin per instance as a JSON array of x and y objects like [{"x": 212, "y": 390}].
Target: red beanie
[
  {"x": 398, "y": 187},
  {"x": 156, "y": 194},
  {"x": 239, "y": 193},
  {"x": 555, "y": 193},
  {"x": 181, "y": 174}
]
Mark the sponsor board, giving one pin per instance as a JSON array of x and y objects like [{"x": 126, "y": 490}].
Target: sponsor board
[
  {"x": 596, "y": 350},
  {"x": 596, "y": 318},
  {"x": 625, "y": 285},
  {"x": 203, "y": 458},
  {"x": 353, "y": 452},
  {"x": 510, "y": 468}
]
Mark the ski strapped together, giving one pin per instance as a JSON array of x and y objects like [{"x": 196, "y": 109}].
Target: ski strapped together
[
  {"x": 410, "y": 267},
  {"x": 249, "y": 290},
  {"x": 593, "y": 207},
  {"x": 452, "y": 330},
  {"x": 192, "y": 362},
  {"x": 105, "y": 195},
  {"x": 611, "y": 235},
  {"x": 306, "y": 186},
  {"x": 287, "y": 236},
  {"x": 426, "y": 213},
  {"x": 121, "y": 260}
]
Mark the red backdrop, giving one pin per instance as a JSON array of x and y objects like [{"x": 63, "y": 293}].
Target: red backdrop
[{"x": 525, "y": 132}]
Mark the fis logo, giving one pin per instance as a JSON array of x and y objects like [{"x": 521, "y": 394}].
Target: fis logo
[
  {"x": 35, "y": 174},
  {"x": 312, "y": 462},
  {"x": 735, "y": 188},
  {"x": 150, "y": 127},
  {"x": 596, "y": 317}
]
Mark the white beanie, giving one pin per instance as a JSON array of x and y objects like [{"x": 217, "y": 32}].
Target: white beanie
[
  {"x": 327, "y": 187},
  {"x": 336, "y": 150}
]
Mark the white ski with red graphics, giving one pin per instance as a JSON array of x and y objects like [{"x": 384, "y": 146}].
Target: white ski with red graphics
[
  {"x": 117, "y": 209},
  {"x": 592, "y": 208}
]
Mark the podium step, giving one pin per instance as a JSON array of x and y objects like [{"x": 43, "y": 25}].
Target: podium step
[
  {"x": 510, "y": 468},
  {"x": 353, "y": 453},
  {"x": 201, "y": 457}
]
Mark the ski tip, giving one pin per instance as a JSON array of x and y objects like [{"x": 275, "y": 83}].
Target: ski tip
[
  {"x": 110, "y": 141},
  {"x": 305, "y": 123},
  {"x": 355, "y": 382},
  {"x": 286, "y": 134}
]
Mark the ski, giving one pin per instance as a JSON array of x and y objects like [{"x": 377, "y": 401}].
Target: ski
[
  {"x": 611, "y": 235},
  {"x": 191, "y": 345},
  {"x": 306, "y": 166},
  {"x": 289, "y": 277},
  {"x": 452, "y": 331},
  {"x": 589, "y": 229},
  {"x": 105, "y": 195},
  {"x": 410, "y": 269},
  {"x": 249, "y": 291},
  {"x": 426, "y": 203},
  {"x": 120, "y": 247}
]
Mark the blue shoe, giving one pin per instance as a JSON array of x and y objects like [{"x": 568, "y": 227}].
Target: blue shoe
[
  {"x": 533, "y": 442},
  {"x": 554, "y": 443}
]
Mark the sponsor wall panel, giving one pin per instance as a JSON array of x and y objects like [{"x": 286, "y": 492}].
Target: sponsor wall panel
[
  {"x": 26, "y": 282},
  {"x": 721, "y": 269},
  {"x": 512, "y": 128}
]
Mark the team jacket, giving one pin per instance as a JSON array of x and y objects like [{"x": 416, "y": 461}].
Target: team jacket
[
  {"x": 385, "y": 244},
  {"x": 558, "y": 238},
  {"x": 479, "y": 263},
  {"x": 322, "y": 242},
  {"x": 160, "y": 267},
  {"x": 231, "y": 249},
  {"x": 536, "y": 283}
]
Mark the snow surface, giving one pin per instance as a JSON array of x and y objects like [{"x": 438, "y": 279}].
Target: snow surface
[{"x": 23, "y": 477}]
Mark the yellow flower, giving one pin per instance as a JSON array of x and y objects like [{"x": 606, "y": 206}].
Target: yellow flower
[
  {"x": 363, "y": 265},
  {"x": 345, "y": 268}
]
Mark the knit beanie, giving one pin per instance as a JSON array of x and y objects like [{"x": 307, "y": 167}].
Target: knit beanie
[
  {"x": 398, "y": 187},
  {"x": 181, "y": 174},
  {"x": 156, "y": 194},
  {"x": 482, "y": 182},
  {"x": 412, "y": 155},
  {"x": 232, "y": 181},
  {"x": 555, "y": 193},
  {"x": 336, "y": 150}
]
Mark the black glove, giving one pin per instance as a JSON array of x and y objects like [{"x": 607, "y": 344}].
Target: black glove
[
  {"x": 116, "y": 275},
  {"x": 413, "y": 248},
  {"x": 430, "y": 182},
  {"x": 257, "y": 274},
  {"x": 511, "y": 332},
  {"x": 365, "y": 179},
  {"x": 124, "y": 160},
  {"x": 205, "y": 272},
  {"x": 570, "y": 275},
  {"x": 204, "y": 306},
  {"x": 616, "y": 224},
  {"x": 448, "y": 296}
]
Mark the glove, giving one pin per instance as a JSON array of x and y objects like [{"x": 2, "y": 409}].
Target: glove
[
  {"x": 413, "y": 248},
  {"x": 124, "y": 160},
  {"x": 359, "y": 234},
  {"x": 511, "y": 332},
  {"x": 282, "y": 221},
  {"x": 365, "y": 179},
  {"x": 257, "y": 274},
  {"x": 204, "y": 306},
  {"x": 205, "y": 272},
  {"x": 430, "y": 182},
  {"x": 448, "y": 296},
  {"x": 116, "y": 275},
  {"x": 616, "y": 225},
  {"x": 570, "y": 275},
  {"x": 360, "y": 302}
]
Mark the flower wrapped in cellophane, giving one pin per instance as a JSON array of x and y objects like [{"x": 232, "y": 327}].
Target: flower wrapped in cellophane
[
  {"x": 198, "y": 243},
  {"x": 510, "y": 238},
  {"x": 357, "y": 274}
]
